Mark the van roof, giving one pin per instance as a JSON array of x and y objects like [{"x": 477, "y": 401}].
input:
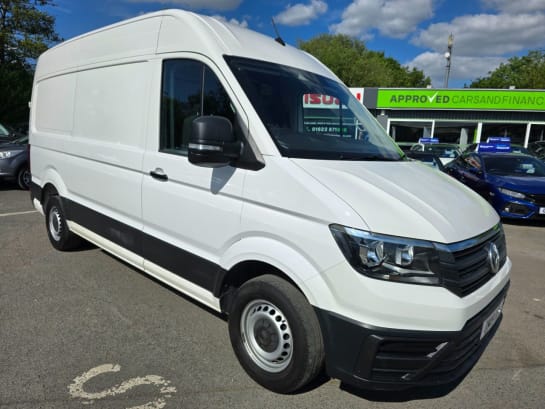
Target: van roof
[{"x": 170, "y": 31}]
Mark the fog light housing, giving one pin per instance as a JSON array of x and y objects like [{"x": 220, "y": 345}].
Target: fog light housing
[{"x": 516, "y": 208}]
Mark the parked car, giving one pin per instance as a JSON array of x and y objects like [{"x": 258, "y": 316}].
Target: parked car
[
  {"x": 429, "y": 158},
  {"x": 474, "y": 147},
  {"x": 513, "y": 183},
  {"x": 14, "y": 162},
  {"x": 447, "y": 152},
  {"x": 7, "y": 133}
]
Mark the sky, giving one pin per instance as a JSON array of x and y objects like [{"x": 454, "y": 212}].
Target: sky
[{"x": 414, "y": 32}]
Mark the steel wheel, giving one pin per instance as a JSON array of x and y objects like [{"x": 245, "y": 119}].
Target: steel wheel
[
  {"x": 267, "y": 336},
  {"x": 275, "y": 334},
  {"x": 24, "y": 178},
  {"x": 55, "y": 223}
]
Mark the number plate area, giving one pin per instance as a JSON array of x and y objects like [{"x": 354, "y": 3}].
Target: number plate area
[
  {"x": 492, "y": 318},
  {"x": 542, "y": 210}
]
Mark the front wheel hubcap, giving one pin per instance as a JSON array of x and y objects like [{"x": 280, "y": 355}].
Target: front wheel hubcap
[
  {"x": 55, "y": 225},
  {"x": 267, "y": 336}
]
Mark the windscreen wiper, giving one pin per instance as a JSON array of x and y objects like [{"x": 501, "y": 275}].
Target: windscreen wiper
[{"x": 370, "y": 158}]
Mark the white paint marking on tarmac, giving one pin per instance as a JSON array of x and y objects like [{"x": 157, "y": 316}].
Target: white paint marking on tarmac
[
  {"x": 516, "y": 376},
  {"x": 76, "y": 390},
  {"x": 17, "y": 213}
]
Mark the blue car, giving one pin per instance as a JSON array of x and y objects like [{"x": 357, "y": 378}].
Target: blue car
[{"x": 514, "y": 184}]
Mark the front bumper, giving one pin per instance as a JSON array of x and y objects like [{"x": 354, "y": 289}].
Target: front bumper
[
  {"x": 390, "y": 359},
  {"x": 511, "y": 208}
]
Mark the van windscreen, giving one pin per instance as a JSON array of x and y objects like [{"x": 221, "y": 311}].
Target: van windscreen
[{"x": 311, "y": 116}]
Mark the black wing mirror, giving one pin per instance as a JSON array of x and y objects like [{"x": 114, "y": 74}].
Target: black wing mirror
[{"x": 212, "y": 143}]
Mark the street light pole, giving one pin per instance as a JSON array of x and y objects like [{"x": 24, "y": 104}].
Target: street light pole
[{"x": 448, "y": 56}]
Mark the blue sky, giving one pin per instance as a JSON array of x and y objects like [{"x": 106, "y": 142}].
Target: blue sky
[{"x": 414, "y": 32}]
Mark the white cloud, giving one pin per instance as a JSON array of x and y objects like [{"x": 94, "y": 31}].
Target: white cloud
[
  {"x": 196, "y": 4},
  {"x": 392, "y": 18},
  {"x": 485, "y": 34},
  {"x": 461, "y": 68},
  {"x": 513, "y": 6},
  {"x": 301, "y": 14},
  {"x": 243, "y": 23}
]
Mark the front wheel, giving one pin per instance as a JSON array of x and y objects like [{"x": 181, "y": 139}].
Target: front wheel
[
  {"x": 275, "y": 334},
  {"x": 24, "y": 177},
  {"x": 57, "y": 228}
]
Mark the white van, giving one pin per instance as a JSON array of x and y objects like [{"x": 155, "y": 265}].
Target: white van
[{"x": 190, "y": 149}]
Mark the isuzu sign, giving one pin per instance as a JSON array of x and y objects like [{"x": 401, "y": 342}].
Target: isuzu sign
[
  {"x": 320, "y": 101},
  {"x": 461, "y": 99}
]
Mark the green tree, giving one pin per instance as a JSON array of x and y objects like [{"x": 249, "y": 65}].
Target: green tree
[
  {"x": 357, "y": 66},
  {"x": 26, "y": 31},
  {"x": 527, "y": 72}
]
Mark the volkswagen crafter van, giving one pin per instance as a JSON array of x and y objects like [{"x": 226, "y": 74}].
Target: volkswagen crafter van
[{"x": 243, "y": 173}]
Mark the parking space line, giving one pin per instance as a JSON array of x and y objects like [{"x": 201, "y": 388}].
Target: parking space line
[{"x": 17, "y": 213}]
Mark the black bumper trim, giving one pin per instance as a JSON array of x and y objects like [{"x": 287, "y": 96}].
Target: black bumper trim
[
  {"x": 35, "y": 192},
  {"x": 389, "y": 359}
]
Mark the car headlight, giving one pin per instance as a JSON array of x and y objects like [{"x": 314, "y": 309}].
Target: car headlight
[
  {"x": 388, "y": 258},
  {"x": 6, "y": 154},
  {"x": 512, "y": 193}
]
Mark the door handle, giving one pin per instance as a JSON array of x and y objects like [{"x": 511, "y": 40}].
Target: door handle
[{"x": 158, "y": 174}]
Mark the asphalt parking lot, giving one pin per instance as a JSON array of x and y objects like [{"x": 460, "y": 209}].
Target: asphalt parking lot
[{"x": 84, "y": 330}]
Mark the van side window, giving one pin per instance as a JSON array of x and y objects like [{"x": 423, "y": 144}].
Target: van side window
[{"x": 190, "y": 89}]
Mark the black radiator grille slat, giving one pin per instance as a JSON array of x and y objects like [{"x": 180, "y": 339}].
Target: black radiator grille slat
[{"x": 468, "y": 269}]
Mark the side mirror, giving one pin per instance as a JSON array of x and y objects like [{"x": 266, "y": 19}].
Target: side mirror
[{"x": 212, "y": 143}]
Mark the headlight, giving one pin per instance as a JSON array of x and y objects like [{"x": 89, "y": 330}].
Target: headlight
[
  {"x": 6, "y": 154},
  {"x": 512, "y": 193},
  {"x": 387, "y": 257}
]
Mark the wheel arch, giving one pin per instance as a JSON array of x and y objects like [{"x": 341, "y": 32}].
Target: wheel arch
[
  {"x": 243, "y": 272},
  {"x": 52, "y": 184},
  {"x": 256, "y": 256}
]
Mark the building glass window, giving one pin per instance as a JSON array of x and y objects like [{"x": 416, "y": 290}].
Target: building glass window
[{"x": 516, "y": 132}]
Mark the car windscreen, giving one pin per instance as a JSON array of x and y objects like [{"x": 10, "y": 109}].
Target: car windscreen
[
  {"x": 427, "y": 158},
  {"x": 4, "y": 131},
  {"x": 20, "y": 140},
  {"x": 311, "y": 116},
  {"x": 514, "y": 166},
  {"x": 443, "y": 151}
]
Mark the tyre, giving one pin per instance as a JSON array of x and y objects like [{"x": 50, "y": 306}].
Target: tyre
[
  {"x": 24, "y": 177},
  {"x": 57, "y": 229},
  {"x": 275, "y": 334}
]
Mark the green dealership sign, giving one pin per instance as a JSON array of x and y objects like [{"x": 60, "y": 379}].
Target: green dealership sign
[{"x": 470, "y": 99}]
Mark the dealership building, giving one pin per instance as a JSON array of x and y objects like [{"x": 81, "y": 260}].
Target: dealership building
[{"x": 457, "y": 115}]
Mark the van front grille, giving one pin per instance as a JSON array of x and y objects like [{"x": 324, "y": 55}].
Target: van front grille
[{"x": 465, "y": 267}]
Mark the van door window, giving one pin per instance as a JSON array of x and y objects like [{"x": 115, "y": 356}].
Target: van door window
[{"x": 190, "y": 89}]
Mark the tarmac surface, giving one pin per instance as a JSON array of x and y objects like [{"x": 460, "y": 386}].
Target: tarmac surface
[{"x": 84, "y": 330}]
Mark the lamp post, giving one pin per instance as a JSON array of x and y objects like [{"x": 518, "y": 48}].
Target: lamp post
[{"x": 448, "y": 56}]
